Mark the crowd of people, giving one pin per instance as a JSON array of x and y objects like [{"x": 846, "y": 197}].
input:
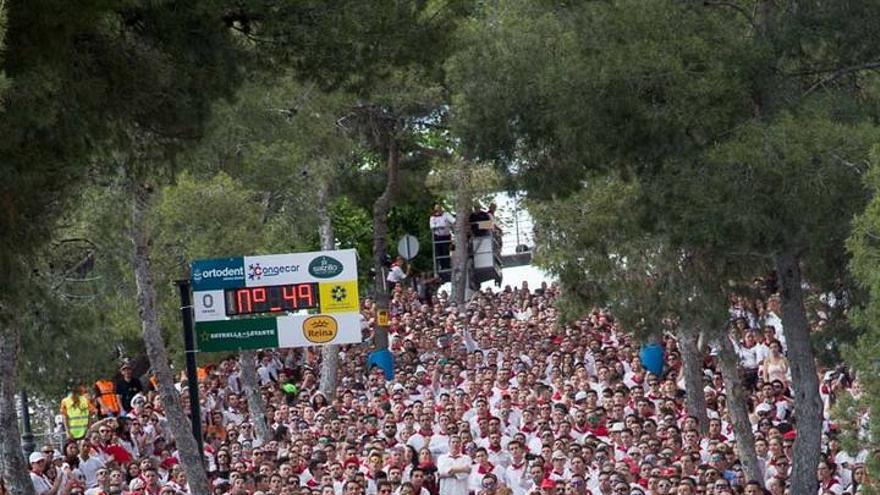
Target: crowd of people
[{"x": 501, "y": 399}]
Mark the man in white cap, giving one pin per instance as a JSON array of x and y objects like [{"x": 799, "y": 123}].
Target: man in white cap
[{"x": 42, "y": 484}]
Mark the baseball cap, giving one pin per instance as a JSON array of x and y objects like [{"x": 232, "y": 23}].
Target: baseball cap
[{"x": 36, "y": 457}]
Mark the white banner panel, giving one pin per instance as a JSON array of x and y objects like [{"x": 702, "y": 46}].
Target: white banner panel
[
  {"x": 321, "y": 329},
  {"x": 320, "y": 266},
  {"x": 209, "y": 305}
]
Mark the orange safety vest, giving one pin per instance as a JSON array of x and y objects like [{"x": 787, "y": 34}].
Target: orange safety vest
[{"x": 107, "y": 397}]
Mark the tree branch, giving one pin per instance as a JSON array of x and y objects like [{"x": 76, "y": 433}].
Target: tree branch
[
  {"x": 432, "y": 152},
  {"x": 739, "y": 8},
  {"x": 843, "y": 71}
]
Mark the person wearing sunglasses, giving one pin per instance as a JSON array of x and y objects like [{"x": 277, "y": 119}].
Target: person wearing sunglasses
[{"x": 489, "y": 484}]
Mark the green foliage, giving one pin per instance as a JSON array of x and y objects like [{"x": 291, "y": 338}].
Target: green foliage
[
  {"x": 199, "y": 219},
  {"x": 782, "y": 183},
  {"x": 864, "y": 246},
  {"x": 558, "y": 92},
  {"x": 747, "y": 132},
  {"x": 81, "y": 79},
  {"x": 594, "y": 243},
  {"x": 352, "y": 45}
]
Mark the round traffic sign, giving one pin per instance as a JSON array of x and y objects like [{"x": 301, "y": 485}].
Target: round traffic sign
[{"x": 408, "y": 247}]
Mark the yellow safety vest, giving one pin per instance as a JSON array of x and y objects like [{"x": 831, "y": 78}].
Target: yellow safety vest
[{"x": 77, "y": 416}]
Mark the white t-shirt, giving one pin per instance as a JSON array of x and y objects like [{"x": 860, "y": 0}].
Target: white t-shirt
[
  {"x": 395, "y": 274},
  {"x": 776, "y": 322},
  {"x": 89, "y": 467},
  {"x": 442, "y": 224},
  {"x": 41, "y": 483},
  {"x": 749, "y": 357},
  {"x": 456, "y": 484}
]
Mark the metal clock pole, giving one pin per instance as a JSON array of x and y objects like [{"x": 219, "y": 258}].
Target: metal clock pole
[{"x": 192, "y": 378}]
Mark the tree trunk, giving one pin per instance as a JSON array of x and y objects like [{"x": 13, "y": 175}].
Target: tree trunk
[
  {"x": 462, "y": 229},
  {"x": 329, "y": 353},
  {"x": 807, "y": 403},
  {"x": 148, "y": 311},
  {"x": 13, "y": 466},
  {"x": 247, "y": 360},
  {"x": 693, "y": 376},
  {"x": 380, "y": 237},
  {"x": 739, "y": 414}
]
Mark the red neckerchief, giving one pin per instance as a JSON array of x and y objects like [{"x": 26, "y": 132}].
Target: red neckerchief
[
  {"x": 519, "y": 466},
  {"x": 482, "y": 470},
  {"x": 828, "y": 484},
  {"x": 495, "y": 449}
]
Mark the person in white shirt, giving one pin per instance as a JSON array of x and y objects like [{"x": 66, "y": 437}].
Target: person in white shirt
[
  {"x": 454, "y": 469},
  {"x": 417, "y": 478},
  {"x": 482, "y": 467},
  {"x": 516, "y": 474},
  {"x": 268, "y": 370},
  {"x": 395, "y": 274},
  {"x": 441, "y": 224},
  {"x": 440, "y": 442},
  {"x": 42, "y": 485},
  {"x": 89, "y": 464}
]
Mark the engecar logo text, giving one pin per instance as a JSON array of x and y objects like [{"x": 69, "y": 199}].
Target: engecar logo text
[{"x": 257, "y": 272}]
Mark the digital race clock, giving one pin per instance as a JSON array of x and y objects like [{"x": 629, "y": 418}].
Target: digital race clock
[
  {"x": 276, "y": 301},
  {"x": 271, "y": 299}
]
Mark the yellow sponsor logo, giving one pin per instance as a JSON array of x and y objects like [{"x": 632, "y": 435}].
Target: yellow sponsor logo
[
  {"x": 339, "y": 297},
  {"x": 382, "y": 316},
  {"x": 320, "y": 329}
]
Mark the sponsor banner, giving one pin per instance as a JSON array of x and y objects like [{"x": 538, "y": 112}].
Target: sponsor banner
[
  {"x": 315, "y": 330},
  {"x": 217, "y": 274},
  {"x": 284, "y": 331},
  {"x": 233, "y": 335},
  {"x": 209, "y": 305},
  {"x": 339, "y": 297},
  {"x": 295, "y": 268}
]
